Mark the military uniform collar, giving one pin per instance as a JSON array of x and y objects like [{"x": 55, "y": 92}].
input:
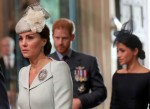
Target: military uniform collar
[{"x": 60, "y": 56}]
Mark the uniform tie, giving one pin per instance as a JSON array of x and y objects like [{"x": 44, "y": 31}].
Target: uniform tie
[{"x": 65, "y": 58}]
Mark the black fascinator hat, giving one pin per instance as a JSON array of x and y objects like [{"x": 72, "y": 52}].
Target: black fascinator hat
[
  {"x": 130, "y": 40},
  {"x": 126, "y": 29}
]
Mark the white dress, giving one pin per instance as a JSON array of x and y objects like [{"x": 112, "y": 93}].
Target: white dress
[{"x": 51, "y": 89}]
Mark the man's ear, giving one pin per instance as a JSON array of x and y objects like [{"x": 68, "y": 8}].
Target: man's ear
[
  {"x": 72, "y": 37},
  {"x": 52, "y": 35}
]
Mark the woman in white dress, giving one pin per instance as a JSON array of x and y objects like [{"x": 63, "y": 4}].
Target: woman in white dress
[{"x": 45, "y": 83}]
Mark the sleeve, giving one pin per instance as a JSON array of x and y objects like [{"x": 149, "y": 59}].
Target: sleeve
[
  {"x": 19, "y": 77},
  {"x": 3, "y": 94},
  {"x": 63, "y": 87},
  {"x": 98, "y": 90},
  {"x": 19, "y": 84},
  {"x": 112, "y": 103}
]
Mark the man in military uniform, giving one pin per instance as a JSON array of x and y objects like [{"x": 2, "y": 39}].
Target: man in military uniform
[{"x": 89, "y": 89}]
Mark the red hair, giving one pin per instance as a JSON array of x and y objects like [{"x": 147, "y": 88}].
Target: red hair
[{"x": 64, "y": 23}]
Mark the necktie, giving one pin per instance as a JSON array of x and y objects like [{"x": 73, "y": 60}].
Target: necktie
[{"x": 65, "y": 58}]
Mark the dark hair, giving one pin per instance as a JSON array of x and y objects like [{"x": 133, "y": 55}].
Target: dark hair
[
  {"x": 129, "y": 40},
  {"x": 45, "y": 34}
]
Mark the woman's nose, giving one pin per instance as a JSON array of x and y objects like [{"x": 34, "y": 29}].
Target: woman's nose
[{"x": 24, "y": 42}]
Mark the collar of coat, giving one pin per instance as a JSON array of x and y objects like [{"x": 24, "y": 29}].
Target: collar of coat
[{"x": 24, "y": 76}]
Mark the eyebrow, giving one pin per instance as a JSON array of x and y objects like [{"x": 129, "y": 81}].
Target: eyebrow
[
  {"x": 61, "y": 36},
  {"x": 31, "y": 34},
  {"x": 28, "y": 34}
]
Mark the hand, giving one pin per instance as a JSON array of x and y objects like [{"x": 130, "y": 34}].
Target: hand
[{"x": 76, "y": 103}]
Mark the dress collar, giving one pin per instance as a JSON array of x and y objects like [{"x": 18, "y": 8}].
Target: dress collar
[{"x": 24, "y": 76}]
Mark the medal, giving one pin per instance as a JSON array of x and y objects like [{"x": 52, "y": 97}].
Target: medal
[
  {"x": 76, "y": 75},
  {"x": 81, "y": 88},
  {"x": 85, "y": 75},
  {"x": 42, "y": 75},
  {"x": 80, "y": 74}
]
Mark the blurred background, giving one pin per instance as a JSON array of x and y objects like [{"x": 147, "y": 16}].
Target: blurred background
[{"x": 95, "y": 20}]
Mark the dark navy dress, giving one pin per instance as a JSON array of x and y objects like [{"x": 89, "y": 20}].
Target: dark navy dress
[{"x": 130, "y": 91}]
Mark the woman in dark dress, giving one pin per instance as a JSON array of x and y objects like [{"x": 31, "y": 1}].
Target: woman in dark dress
[{"x": 130, "y": 85}]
